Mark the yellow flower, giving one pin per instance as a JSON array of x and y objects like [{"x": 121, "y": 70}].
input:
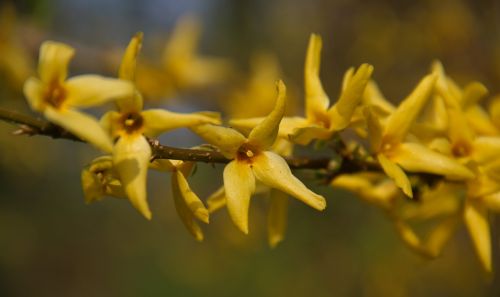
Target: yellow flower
[
  {"x": 99, "y": 179},
  {"x": 57, "y": 97},
  {"x": 187, "y": 204},
  {"x": 321, "y": 120},
  {"x": 130, "y": 124},
  {"x": 252, "y": 160},
  {"x": 180, "y": 66},
  {"x": 394, "y": 152}
]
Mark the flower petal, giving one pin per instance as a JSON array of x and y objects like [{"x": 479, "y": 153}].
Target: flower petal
[
  {"x": 129, "y": 60},
  {"x": 476, "y": 220},
  {"x": 304, "y": 135},
  {"x": 317, "y": 100},
  {"x": 415, "y": 157},
  {"x": 239, "y": 184},
  {"x": 84, "y": 126},
  {"x": 183, "y": 209},
  {"x": 374, "y": 128},
  {"x": 400, "y": 121},
  {"x": 191, "y": 200},
  {"x": 34, "y": 91},
  {"x": 265, "y": 133},
  {"x": 131, "y": 156},
  {"x": 157, "y": 121},
  {"x": 277, "y": 217},
  {"x": 53, "y": 61},
  {"x": 396, "y": 174},
  {"x": 93, "y": 90},
  {"x": 226, "y": 139},
  {"x": 341, "y": 112},
  {"x": 217, "y": 200},
  {"x": 273, "y": 171}
]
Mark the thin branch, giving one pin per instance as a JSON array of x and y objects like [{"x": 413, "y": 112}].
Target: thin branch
[{"x": 31, "y": 126}]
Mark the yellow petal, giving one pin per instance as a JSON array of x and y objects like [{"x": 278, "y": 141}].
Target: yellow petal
[
  {"x": 163, "y": 165},
  {"x": 373, "y": 96},
  {"x": 341, "y": 112},
  {"x": 93, "y": 90},
  {"x": 485, "y": 149},
  {"x": 317, "y": 101},
  {"x": 374, "y": 127},
  {"x": 287, "y": 125},
  {"x": 265, "y": 133},
  {"x": 304, "y": 135},
  {"x": 184, "y": 211},
  {"x": 110, "y": 122},
  {"x": 440, "y": 235},
  {"x": 183, "y": 42},
  {"x": 400, "y": 121},
  {"x": 473, "y": 92},
  {"x": 273, "y": 171},
  {"x": 99, "y": 180},
  {"x": 476, "y": 220},
  {"x": 239, "y": 184},
  {"x": 190, "y": 198},
  {"x": 410, "y": 238},
  {"x": 396, "y": 174},
  {"x": 277, "y": 217},
  {"x": 226, "y": 139},
  {"x": 53, "y": 61},
  {"x": 84, "y": 126},
  {"x": 131, "y": 156},
  {"x": 492, "y": 201},
  {"x": 415, "y": 157},
  {"x": 217, "y": 200},
  {"x": 34, "y": 92},
  {"x": 157, "y": 121},
  {"x": 127, "y": 67}
]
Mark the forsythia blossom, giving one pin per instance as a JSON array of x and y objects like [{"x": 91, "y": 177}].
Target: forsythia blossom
[{"x": 252, "y": 160}]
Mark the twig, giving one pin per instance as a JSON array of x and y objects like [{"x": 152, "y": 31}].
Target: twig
[{"x": 31, "y": 126}]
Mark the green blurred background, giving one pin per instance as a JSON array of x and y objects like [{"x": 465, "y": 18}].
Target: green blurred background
[{"x": 52, "y": 244}]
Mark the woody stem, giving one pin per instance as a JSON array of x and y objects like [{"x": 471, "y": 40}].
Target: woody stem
[{"x": 29, "y": 125}]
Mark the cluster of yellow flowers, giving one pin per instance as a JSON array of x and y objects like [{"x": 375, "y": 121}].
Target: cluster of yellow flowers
[{"x": 439, "y": 146}]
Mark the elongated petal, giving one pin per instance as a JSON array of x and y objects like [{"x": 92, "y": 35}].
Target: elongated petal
[
  {"x": 129, "y": 61},
  {"x": 373, "y": 96},
  {"x": 485, "y": 149},
  {"x": 53, "y": 61},
  {"x": 304, "y": 135},
  {"x": 277, "y": 217},
  {"x": 415, "y": 157},
  {"x": 317, "y": 101},
  {"x": 82, "y": 125},
  {"x": 287, "y": 125},
  {"x": 239, "y": 184},
  {"x": 184, "y": 212},
  {"x": 473, "y": 92},
  {"x": 131, "y": 156},
  {"x": 440, "y": 235},
  {"x": 476, "y": 220},
  {"x": 273, "y": 171},
  {"x": 374, "y": 128},
  {"x": 93, "y": 90},
  {"x": 265, "y": 133},
  {"x": 34, "y": 91},
  {"x": 217, "y": 200},
  {"x": 157, "y": 121},
  {"x": 396, "y": 174},
  {"x": 190, "y": 198},
  {"x": 226, "y": 139},
  {"x": 341, "y": 112},
  {"x": 399, "y": 122}
]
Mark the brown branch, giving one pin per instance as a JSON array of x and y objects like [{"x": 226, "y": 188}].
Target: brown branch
[{"x": 29, "y": 125}]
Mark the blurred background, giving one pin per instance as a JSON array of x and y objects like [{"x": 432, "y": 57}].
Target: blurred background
[{"x": 52, "y": 244}]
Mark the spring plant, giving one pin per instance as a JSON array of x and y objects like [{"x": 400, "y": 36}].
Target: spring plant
[{"x": 434, "y": 157}]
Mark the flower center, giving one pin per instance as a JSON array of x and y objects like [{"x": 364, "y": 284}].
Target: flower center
[
  {"x": 55, "y": 95},
  {"x": 246, "y": 153},
  {"x": 461, "y": 149},
  {"x": 132, "y": 122}
]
